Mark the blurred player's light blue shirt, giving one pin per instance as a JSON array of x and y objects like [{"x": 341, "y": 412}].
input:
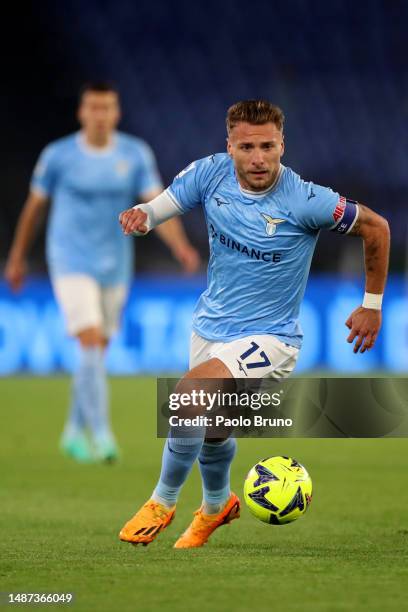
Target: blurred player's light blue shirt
[
  {"x": 261, "y": 247},
  {"x": 88, "y": 189}
]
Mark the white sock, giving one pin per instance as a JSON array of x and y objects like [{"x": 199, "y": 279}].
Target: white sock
[
  {"x": 161, "y": 500},
  {"x": 212, "y": 508}
]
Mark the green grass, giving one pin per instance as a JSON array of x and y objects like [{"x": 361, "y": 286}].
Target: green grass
[{"x": 59, "y": 521}]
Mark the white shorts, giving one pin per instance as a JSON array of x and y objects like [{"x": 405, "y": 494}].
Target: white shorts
[
  {"x": 86, "y": 304},
  {"x": 256, "y": 356}
]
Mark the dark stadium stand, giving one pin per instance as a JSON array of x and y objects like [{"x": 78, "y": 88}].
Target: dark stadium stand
[{"x": 337, "y": 69}]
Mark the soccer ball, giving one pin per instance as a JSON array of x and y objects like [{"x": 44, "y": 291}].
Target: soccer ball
[{"x": 278, "y": 490}]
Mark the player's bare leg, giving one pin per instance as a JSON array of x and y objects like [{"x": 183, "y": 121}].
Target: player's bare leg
[
  {"x": 221, "y": 506},
  {"x": 179, "y": 455}
]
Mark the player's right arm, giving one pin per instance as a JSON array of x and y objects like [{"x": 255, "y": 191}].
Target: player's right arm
[
  {"x": 183, "y": 194},
  {"x": 32, "y": 214},
  {"x": 140, "y": 219}
]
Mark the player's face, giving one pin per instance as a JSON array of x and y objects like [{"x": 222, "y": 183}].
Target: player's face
[
  {"x": 99, "y": 113},
  {"x": 256, "y": 151}
]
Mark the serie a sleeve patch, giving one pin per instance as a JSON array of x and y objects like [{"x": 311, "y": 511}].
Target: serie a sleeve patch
[{"x": 344, "y": 215}]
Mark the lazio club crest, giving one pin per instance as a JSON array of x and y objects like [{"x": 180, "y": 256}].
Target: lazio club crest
[{"x": 271, "y": 224}]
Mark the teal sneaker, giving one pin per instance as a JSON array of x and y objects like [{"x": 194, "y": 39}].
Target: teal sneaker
[
  {"x": 77, "y": 447},
  {"x": 105, "y": 449}
]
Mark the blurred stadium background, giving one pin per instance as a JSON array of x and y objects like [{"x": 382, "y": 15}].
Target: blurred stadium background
[{"x": 337, "y": 69}]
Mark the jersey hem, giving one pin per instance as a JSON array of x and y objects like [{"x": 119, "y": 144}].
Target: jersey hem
[
  {"x": 102, "y": 282},
  {"x": 285, "y": 339}
]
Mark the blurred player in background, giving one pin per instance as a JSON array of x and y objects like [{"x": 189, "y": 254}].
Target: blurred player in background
[
  {"x": 90, "y": 176},
  {"x": 263, "y": 223}
]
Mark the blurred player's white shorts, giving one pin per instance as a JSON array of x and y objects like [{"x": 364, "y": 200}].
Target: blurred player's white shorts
[
  {"x": 256, "y": 356},
  {"x": 85, "y": 303}
]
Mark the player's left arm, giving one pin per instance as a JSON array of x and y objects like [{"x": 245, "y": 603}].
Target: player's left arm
[
  {"x": 173, "y": 235},
  {"x": 365, "y": 322}
]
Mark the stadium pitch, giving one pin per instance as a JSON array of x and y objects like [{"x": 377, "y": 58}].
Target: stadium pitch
[{"x": 60, "y": 520}]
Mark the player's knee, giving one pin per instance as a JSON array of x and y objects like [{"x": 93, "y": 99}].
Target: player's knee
[
  {"x": 188, "y": 392},
  {"x": 200, "y": 396},
  {"x": 212, "y": 368},
  {"x": 91, "y": 337}
]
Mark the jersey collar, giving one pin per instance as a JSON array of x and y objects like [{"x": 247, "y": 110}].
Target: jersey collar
[
  {"x": 260, "y": 194},
  {"x": 95, "y": 151}
]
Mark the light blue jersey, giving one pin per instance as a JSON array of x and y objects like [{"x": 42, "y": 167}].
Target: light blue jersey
[
  {"x": 89, "y": 188},
  {"x": 261, "y": 247}
]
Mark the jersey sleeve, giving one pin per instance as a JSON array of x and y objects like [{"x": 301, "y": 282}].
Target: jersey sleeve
[
  {"x": 323, "y": 208},
  {"x": 45, "y": 172},
  {"x": 188, "y": 187},
  {"x": 147, "y": 174}
]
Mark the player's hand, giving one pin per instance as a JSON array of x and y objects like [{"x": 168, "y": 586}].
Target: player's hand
[
  {"x": 15, "y": 272},
  {"x": 188, "y": 257},
  {"x": 364, "y": 324},
  {"x": 133, "y": 220}
]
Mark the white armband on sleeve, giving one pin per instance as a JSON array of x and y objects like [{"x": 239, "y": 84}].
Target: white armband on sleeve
[{"x": 158, "y": 211}]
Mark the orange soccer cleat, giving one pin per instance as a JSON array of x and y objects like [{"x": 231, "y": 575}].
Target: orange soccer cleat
[
  {"x": 203, "y": 525},
  {"x": 147, "y": 523}
]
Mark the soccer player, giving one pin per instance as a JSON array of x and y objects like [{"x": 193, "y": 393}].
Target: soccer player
[
  {"x": 90, "y": 176},
  {"x": 263, "y": 223}
]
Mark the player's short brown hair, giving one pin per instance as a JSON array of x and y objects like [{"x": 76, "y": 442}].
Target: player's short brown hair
[
  {"x": 97, "y": 87},
  {"x": 256, "y": 112}
]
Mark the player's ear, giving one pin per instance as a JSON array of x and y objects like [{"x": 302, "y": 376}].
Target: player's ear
[
  {"x": 229, "y": 147},
  {"x": 283, "y": 145}
]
